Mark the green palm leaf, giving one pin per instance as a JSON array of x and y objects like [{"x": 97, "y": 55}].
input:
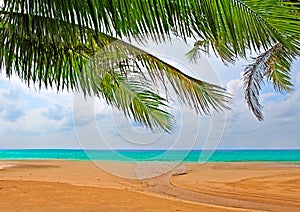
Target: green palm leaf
[
  {"x": 237, "y": 26},
  {"x": 51, "y": 52},
  {"x": 50, "y": 43},
  {"x": 197, "y": 94},
  {"x": 137, "y": 101}
]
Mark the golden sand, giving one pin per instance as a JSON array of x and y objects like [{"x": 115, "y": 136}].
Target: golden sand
[{"x": 56, "y": 185}]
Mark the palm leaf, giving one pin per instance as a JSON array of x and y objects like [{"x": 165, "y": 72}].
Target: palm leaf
[
  {"x": 235, "y": 26},
  {"x": 142, "y": 19},
  {"x": 51, "y": 41},
  {"x": 238, "y": 26},
  {"x": 273, "y": 64},
  {"x": 50, "y": 52},
  {"x": 136, "y": 99},
  {"x": 197, "y": 94}
]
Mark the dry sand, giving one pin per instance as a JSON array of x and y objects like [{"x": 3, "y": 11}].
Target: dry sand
[{"x": 82, "y": 186}]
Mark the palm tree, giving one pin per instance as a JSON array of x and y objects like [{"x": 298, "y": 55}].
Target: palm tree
[{"x": 55, "y": 43}]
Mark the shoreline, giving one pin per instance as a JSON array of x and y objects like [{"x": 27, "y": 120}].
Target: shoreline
[
  {"x": 145, "y": 161},
  {"x": 177, "y": 156},
  {"x": 201, "y": 187}
]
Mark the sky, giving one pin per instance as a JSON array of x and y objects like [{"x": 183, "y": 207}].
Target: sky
[{"x": 32, "y": 118}]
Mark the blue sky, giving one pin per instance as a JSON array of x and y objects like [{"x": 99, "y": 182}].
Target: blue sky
[{"x": 46, "y": 119}]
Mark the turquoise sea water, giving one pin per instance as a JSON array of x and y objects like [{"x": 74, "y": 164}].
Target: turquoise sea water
[{"x": 156, "y": 155}]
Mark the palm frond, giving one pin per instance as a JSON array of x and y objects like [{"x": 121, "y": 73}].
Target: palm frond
[
  {"x": 197, "y": 94},
  {"x": 133, "y": 95},
  {"x": 283, "y": 17},
  {"x": 274, "y": 64},
  {"x": 53, "y": 58},
  {"x": 140, "y": 19},
  {"x": 50, "y": 52},
  {"x": 202, "y": 46},
  {"x": 279, "y": 71},
  {"x": 235, "y": 26},
  {"x": 50, "y": 42},
  {"x": 231, "y": 26},
  {"x": 41, "y": 51}
]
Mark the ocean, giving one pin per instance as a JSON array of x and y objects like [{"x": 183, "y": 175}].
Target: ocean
[{"x": 193, "y": 156}]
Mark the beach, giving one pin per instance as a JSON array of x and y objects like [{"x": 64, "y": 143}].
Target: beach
[{"x": 61, "y": 185}]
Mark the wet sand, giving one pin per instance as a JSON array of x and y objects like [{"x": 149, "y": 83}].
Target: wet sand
[{"x": 83, "y": 186}]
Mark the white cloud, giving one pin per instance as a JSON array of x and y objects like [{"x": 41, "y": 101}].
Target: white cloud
[
  {"x": 278, "y": 130},
  {"x": 27, "y": 115},
  {"x": 55, "y": 112}
]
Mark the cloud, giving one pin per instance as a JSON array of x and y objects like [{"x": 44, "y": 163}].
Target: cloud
[
  {"x": 11, "y": 108},
  {"x": 278, "y": 130},
  {"x": 298, "y": 79},
  {"x": 67, "y": 124},
  {"x": 56, "y": 112},
  {"x": 12, "y": 94},
  {"x": 12, "y": 113},
  {"x": 26, "y": 113},
  {"x": 286, "y": 110}
]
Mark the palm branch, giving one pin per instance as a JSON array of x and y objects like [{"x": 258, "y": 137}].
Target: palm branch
[
  {"x": 268, "y": 28},
  {"x": 52, "y": 48},
  {"x": 49, "y": 42},
  {"x": 273, "y": 64}
]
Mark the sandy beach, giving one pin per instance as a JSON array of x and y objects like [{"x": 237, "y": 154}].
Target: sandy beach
[{"x": 82, "y": 186}]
